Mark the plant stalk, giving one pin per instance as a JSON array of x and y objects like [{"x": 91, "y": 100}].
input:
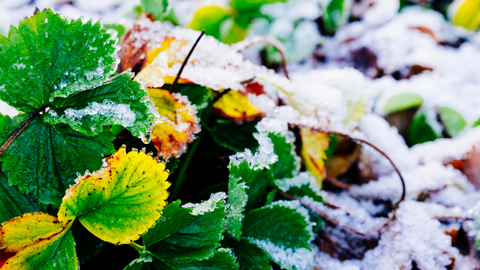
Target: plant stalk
[
  {"x": 19, "y": 130},
  {"x": 137, "y": 247}
]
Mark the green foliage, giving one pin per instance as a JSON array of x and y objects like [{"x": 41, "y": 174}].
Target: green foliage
[
  {"x": 158, "y": 8},
  {"x": 402, "y": 102},
  {"x": 336, "y": 13},
  {"x": 420, "y": 130},
  {"x": 237, "y": 200},
  {"x": 189, "y": 236},
  {"x": 452, "y": 120},
  {"x": 249, "y": 255},
  {"x": 67, "y": 76},
  {"x": 12, "y": 203},
  {"x": 233, "y": 136},
  {"x": 210, "y": 19}
]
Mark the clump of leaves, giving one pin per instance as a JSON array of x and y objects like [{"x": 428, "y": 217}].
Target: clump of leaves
[{"x": 62, "y": 83}]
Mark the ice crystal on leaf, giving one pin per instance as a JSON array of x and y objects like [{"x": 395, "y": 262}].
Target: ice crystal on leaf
[{"x": 74, "y": 84}]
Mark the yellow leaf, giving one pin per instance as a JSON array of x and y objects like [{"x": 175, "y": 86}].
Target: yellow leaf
[
  {"x": 467, "y": 14},
  {"x": 314, "y": 145},
  {"x": 37, "y": 241},
  {"x": 234, "y": 105},
  {"x": 178, "y": 125},
  {"x": 355, "y": 111},
  {"x": 122, "y": 200}
]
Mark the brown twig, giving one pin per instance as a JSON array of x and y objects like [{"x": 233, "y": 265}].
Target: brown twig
[
  {"x": 19, "y": 130},
  {"x": 333, "y": 220},
  {"x": 382, "y": 153},
  {"x": 268, "y": 41},
  {"x": 174, "y": 84},
  {"x": 337, "y": 183}
]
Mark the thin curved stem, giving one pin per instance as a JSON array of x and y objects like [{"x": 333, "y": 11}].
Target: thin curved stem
[
  {"x": 137, "y": 247},
  {"x": 262, "y": 40},
  {"x": 174, "y": 84},
  {"x": 19, "y": 130}
]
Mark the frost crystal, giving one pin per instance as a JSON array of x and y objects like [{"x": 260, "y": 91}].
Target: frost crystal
[
  {"x": 207, "y": 206},
  {"x": 300, "y": 258},
  {"x": 296, "y": 205},
  {"x": 302, "y": 179},
  {"x": 263, "y": 157}
]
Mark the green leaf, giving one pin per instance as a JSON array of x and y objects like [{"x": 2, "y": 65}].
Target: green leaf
[
  {"x": 232, "y": 136},
  {"x": 284, "y": 231},
  {"x": 476, "y": 123},
  {"x": 452, "y": 120},
  {"x": 284, "y": 223},
  {"x": 140, "y": 264},
  {"x": 12, "y": 203},
  {"x": 117, "y": 27},
  {"x": 188, "y": 233},
  {"x": 288, "y": 163},
  {"x": 231, "y": 32},
  {"x": 120, "y": 101},
  {"x": 250, "y": 6},
  {"x": 402, "y": 102},
  {"x": 304, "y": 184},
  {"x": 48, "y": 57},
  {"x": 257, "y": 181},
  {"x": 210, "y": 19},
  {"x": 336, "y": 13},
  {"x": 237, "y": 200},
  {"x": 120, "y": 202},
  {"x": 249, "y": 255},
  {"x": 421, "y": 129},
  {"x": 223, "y": 259},
  {"x": 37, "y": 241},
  {"x": 43, "y": 160},
  {"x": 158, "y": 8},
  {"x": 467, "y": 14}
]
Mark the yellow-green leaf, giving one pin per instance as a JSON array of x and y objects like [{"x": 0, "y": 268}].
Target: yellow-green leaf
[
  {"x": 37, "y": 241},
  {"x": 210, "y": 19},
  {"x": 467, "y": 15},
  {"x": 314, "y": 145},
  {"x": 121, "y": 201},
  {"x": 236, "y": 106}
]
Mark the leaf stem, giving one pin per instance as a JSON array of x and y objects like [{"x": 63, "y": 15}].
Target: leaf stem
[
  {"x": 19, "y": 130},
  {"x": 181, "y": 175},
  {"x": 174, "y": 84},
  {"x": 137, "y": 247}
]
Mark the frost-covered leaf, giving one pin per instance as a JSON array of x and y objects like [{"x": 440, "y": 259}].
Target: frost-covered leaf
[
  {"x": 236, "y": 106},
  {"x": 52, "y": 63},
  {"x": 43, "y": 160},
  {"x": 12, "y": 203},
  {"x": 209, "y": 18},
  {"x": 37, "y": 241},
  {"x": 401, "y": 102},
  {"x": 424, "y": 127},
  {"x": 283, "y": 230},
  {"x": 119, "y": 101},
  {"x": 303, "y": 184},
  {"x": 199, "y": 96},
  {"x": 314, "y": 145},
  {"x": 233, "y": 136},
  {"x": 288, "y": 163},
  {"x": 158, "y": 8},
  {"x": 122, "y": 200},
  {"x": 222, "y": 259},
  {"x": 453, "y": 121},
  {"x": 465, "y": 14},
  {"x": 254, "y": 169},
  {"x": 188, "y": 233},
  {"x": 237, "y": 200},
  {"x": 336, "y": 13},
  {"x": 178, "y": 123},
  {"x": 249, "y": 256}
]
